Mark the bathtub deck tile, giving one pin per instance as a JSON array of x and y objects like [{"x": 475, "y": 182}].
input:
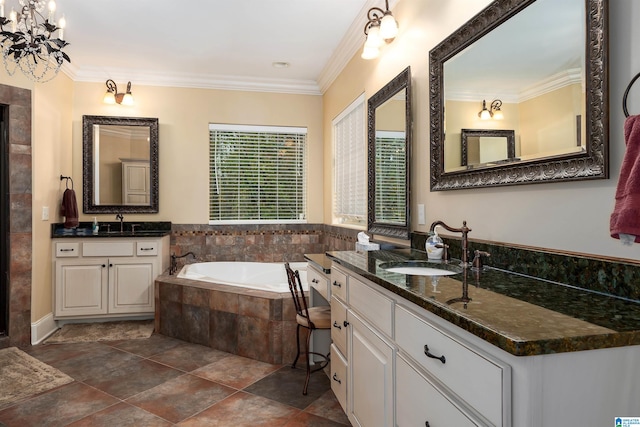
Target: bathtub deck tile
[
  {"x": 253, "y": 306},
  {"x": 196, "y": 296},
  {"x": 224, "y": 301},
  {"x": 196, "y": 324},
  {"x": 254, "y": 340},
  {"x": 223, "y": 329}
]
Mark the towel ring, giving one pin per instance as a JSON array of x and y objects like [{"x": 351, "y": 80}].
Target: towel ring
[
  {"x": 626, "y": 92},
  {"x": 68, "y": 178}
]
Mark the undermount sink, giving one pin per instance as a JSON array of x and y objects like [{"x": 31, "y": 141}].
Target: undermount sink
[{"x": 421, "y": 268}]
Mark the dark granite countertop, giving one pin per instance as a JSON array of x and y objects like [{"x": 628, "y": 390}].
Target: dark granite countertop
[
  {"x": 321, "y": 262},
  {"x": 519, "y": 314},
  {"x": 112, "y": 229}
]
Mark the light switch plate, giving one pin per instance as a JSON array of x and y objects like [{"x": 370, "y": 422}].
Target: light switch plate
[
  {"x": 45, "y": 213},
  {"x": 421, "y": 219}
]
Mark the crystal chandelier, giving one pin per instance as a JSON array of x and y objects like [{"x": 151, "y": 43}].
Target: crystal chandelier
[{"x": 32, "y": 42}]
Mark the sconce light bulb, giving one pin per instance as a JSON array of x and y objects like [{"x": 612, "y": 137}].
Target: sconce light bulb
[
  {"x": 497, "y": 115},
  {"x": 127, "y": 99},
  {"x": 370, "y": 52},
  {"x": 373, "y": 37},
  {"x": 52, "y": 7},
  {"x": 109, "y": 98},
  {"x": 485, "y": 115},
  {"x": 388, "y": 27}
]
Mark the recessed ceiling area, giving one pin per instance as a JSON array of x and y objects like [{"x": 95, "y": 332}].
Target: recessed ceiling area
[{"x": 229, "y": 44}]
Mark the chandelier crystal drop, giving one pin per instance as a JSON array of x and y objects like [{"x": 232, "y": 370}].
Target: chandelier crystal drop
[{"x": 32, "y": 42}]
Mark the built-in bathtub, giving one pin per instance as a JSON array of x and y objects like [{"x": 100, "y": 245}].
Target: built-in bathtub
[
  {"x": 243, "y": 308},
  {"x": 252, "y": 275}
]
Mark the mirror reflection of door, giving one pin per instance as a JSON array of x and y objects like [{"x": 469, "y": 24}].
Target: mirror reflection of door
[
  {"x": 486, "y": 147},
  {"x": 121, "y": 165}
]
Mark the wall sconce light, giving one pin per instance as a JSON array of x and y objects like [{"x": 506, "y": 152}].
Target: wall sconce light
[
  {"x": 32, "y": 41},
  {"x": 113, "y": 97},
  {"x": 380, "y": 28},
  {"x": 493, "y": 111}
]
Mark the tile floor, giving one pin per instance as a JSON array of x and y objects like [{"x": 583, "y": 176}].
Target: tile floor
[{"x": 163, "y": 381}]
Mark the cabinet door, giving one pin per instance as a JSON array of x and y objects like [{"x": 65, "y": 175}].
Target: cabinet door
[
  {"x": 420, "y": 403},
  {"x": 131, "y": 285},
  {"x": 339, "y": 325},
  {"x": 81, "y": 287},
  {"x": 371, "y": 376},
  {"x": 339, "y": 377}
]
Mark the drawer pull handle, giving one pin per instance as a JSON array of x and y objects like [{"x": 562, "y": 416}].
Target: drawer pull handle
[
  {"x": 336, "y": 379},
  {"x": 314, "y": 281},
  {"x": 146, "y": 249},
  {"x": 345, "y": 323},
  {"x": 426, "y": 424},
  {"x": 335, "y": 283},
  {"x": 67, "y": 250},
  {"x": 103, "y": 265},
  {"x": 335, "y": 325},
  {"x": 440, "y": 358}
]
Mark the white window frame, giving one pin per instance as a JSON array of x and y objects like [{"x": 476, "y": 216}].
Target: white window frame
[
  {"x": 350, "y": 165},
  {"x": 302, "y": 219}
]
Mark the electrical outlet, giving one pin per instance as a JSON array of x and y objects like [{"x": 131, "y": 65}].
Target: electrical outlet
[{"x": 45, "y": 213}]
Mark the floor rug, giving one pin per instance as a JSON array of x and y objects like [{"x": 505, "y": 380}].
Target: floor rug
[
  {"x": 22, "y": 376},
  {"x": 107, "y": 331}
]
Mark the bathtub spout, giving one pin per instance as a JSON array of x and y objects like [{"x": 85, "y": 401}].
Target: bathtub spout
[{"x": 173, "y": 266}]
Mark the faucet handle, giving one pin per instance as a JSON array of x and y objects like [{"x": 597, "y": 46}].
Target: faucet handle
[
  {"x": 477, "y": 259},
  {"x": 446, "y": 256}
]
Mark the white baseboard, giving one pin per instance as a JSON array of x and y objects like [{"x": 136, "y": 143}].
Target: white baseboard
[{"x": 42, "y": 328}]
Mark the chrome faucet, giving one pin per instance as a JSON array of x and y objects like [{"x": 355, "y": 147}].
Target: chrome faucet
[
  {"x": 464, "y": 230},
  {"x": 120, "y": 218}
]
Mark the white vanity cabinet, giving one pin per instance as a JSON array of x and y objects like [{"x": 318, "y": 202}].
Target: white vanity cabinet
[
  {"x": 106, "y": 277},
  {"x": 390, "y": 379}
]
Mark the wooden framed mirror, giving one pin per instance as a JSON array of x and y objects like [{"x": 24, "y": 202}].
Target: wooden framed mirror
[
  {"x": 120, "y": 164},
  {"x": 389, "y": 154},
  {"x": 546, "y": 61}
]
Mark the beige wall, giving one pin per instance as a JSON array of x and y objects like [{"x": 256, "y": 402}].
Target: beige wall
[
  {"x": 572, "y": 216},
  {"x": 184, "y": 115}
]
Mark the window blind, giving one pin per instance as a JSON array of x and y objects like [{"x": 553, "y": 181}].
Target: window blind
[
  {"x": 257, "y": 174},
  {"x": 390, "y": 177},
  {"x": 350, "y": 160}
]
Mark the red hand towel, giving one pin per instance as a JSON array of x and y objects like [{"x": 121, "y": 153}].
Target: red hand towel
[
  {"x": 626, "y": 214},
  {"x": 69, "y": 208}
]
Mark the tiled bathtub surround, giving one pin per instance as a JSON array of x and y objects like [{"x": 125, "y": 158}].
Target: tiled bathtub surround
[
  {"x": 259, "y": 243},
  {"x": 251, "y": 323},
  {"x": 597, "y": 274}
]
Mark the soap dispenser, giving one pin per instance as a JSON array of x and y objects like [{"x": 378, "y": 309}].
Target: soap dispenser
[
  {"x": 434, "y": 246},
  {"x": 95, "y": 228}
]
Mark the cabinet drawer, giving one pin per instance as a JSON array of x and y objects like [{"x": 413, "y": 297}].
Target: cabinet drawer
[
  {"x": 339, "y": 325},
  {"x": 419, "y": 402},
  {"x": 339, "y": 376},
  {"x": 377, "y": 308},
  {"x": 479, "y": 381},
  {"x": 67, "y": 249},
  {"x": 319, "y": 282},
  {"x": 338, "y": 284},
  {"x": 107, "y": 249},
  {"x": 146, "y": 248}
]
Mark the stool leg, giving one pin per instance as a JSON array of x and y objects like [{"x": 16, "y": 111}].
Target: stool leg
[
  {"x": 306, "y": 354},
  {"x": 293, "y": 365}
]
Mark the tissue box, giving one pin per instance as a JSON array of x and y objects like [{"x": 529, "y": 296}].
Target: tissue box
[{"x": 362, "y": 247}]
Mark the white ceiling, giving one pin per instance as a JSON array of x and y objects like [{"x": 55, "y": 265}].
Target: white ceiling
[{"x": 213, "y": 43}]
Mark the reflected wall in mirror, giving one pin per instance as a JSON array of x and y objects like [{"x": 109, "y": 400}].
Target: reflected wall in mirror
[
  {"x": 486, "y": 147},
  {"x": 120, "y": 164},
  {"x": 553, "y": 85},
  {"x": 389, "y": 156}
]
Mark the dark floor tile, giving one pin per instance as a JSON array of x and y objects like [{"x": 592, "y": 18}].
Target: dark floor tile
[
  {"x": 59, "y": 407},
  {"x": 243, "y": 409},
  {"x": 285, "y": 386},
  {"x": 304, "y": 419},
  {"x": 122, "y": 415},
  {"x": 327, "y": 406},
  {"x": 148, "y": 347},
  {"x": 53, "y": 354},
  {"x": 236, "y": 371},
  {"x": 181, "y": 397},
  {"x": 188, "y": 357},
  {"x": 94, "y": 362},
  {"x": 132, "y": 378}
]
